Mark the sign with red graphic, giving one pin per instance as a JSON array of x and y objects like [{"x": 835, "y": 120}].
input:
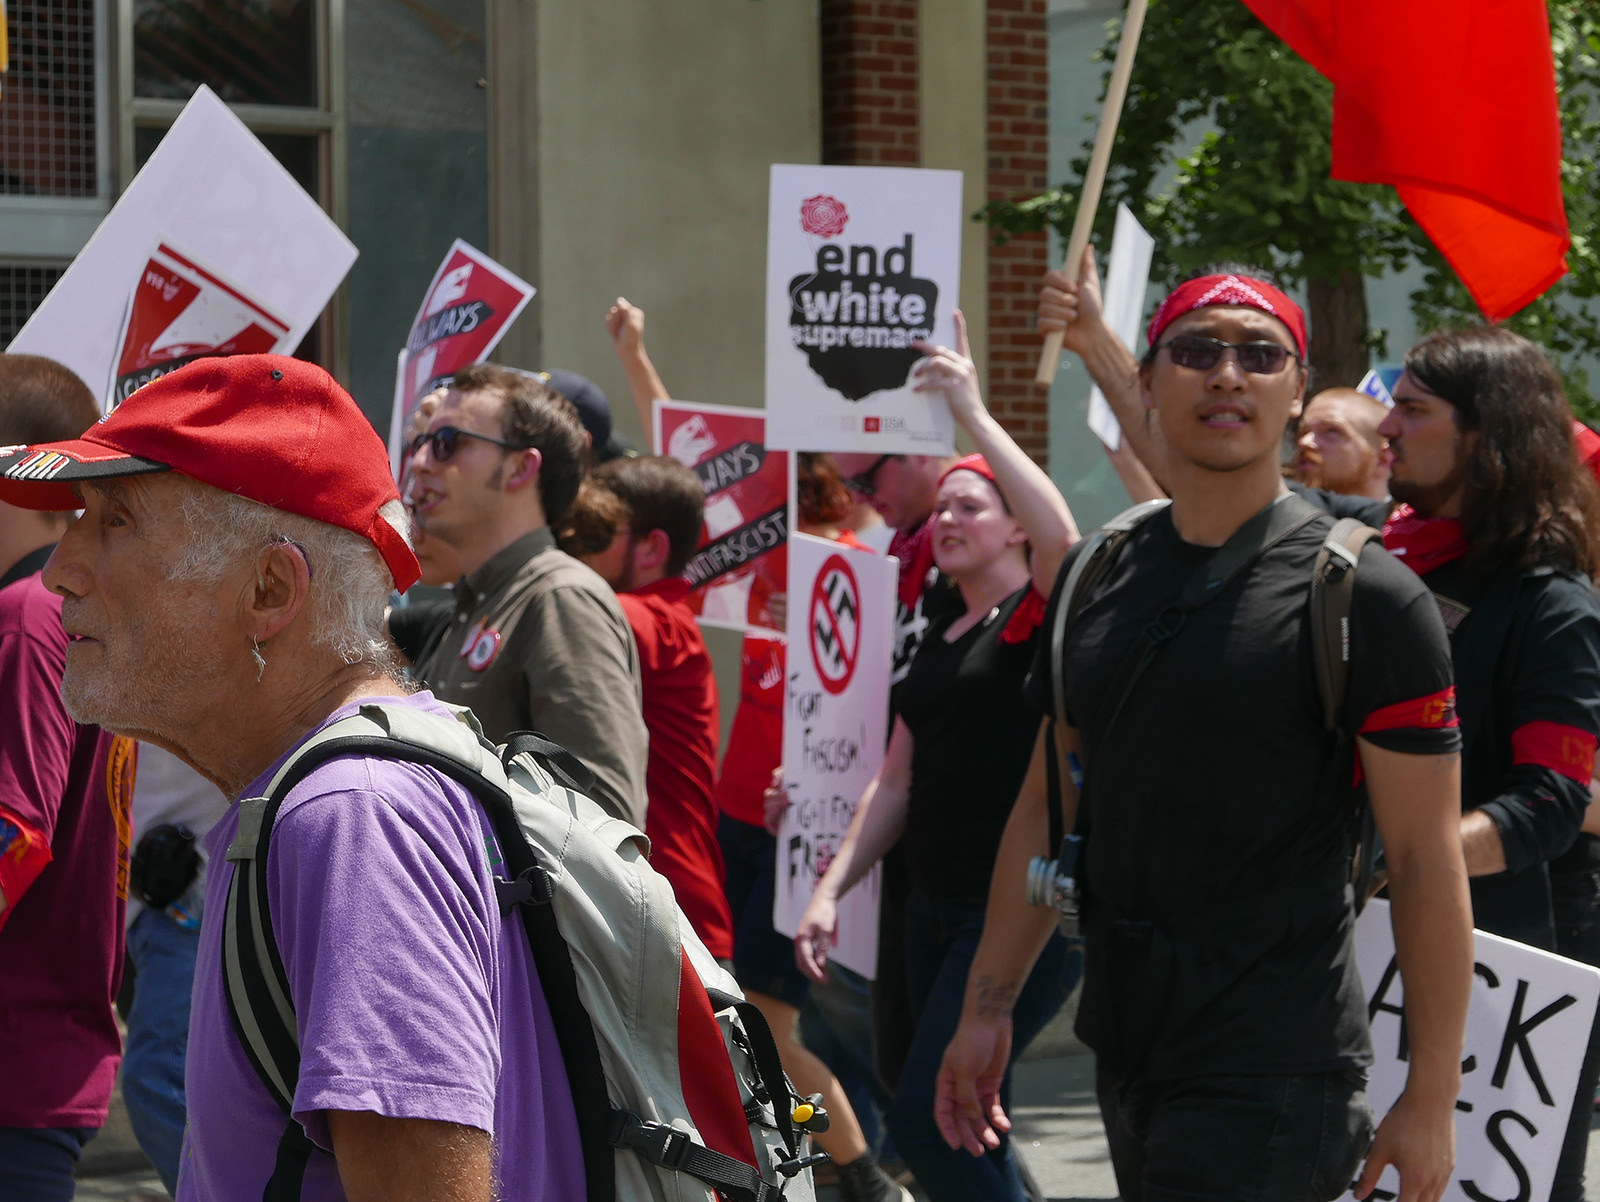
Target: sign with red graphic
[
  {"x": 835, "y": 624},
  {"x": 742, "y": 560},
  {"x": 260, "y": 252},
  {"x": 181, "y": 311},
  {"x": 835, "y": 727},
  {"x": 465, "y": 312},
  {"x": 863, "y": 264}
]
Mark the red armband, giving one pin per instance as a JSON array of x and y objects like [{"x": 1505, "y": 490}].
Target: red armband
[
  {"x": 1436, "y": 711},
  {"x": 1563, "y": 749},
  {"x": 24, "y": 851}
]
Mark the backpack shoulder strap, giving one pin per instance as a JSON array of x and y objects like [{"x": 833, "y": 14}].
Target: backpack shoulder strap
[{"x": 1333, "y": 583}]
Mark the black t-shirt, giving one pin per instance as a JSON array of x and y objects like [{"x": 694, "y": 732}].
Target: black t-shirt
[
  {"x": 973, "y": 733},
  {"x": 1218, "y": 807},
  {"x": 1344, "y": 505}
]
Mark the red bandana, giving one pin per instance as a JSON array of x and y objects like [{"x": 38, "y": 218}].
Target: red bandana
[
  {"x": 1243, "y": 290},
  {"x": 1025, "y": 619},
  {"x": 914, "y": 550},
  {"x": 1423, "y": 544}
]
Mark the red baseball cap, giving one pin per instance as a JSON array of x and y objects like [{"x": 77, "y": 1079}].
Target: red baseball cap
[{"x": 265, "y": 427}]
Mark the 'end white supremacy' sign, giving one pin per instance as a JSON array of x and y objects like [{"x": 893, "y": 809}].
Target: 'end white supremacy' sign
[
  {"x": 862, "y": 262},
  {"x": 1527, "y": 1028},
  {"x": 835, "y": 725}
]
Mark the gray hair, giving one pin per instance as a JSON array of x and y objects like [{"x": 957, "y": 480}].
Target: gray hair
[{"x": 350, "y": 581}]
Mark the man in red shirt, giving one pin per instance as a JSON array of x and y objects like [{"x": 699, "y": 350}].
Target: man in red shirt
[
  {"x": 652, "y": 508},
  {"x": 65, "y": 791}
]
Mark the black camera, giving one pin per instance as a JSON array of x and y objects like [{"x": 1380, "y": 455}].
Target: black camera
[
  {"x": 1055, "y": 882},
  {"x": 165, "y": 863}
]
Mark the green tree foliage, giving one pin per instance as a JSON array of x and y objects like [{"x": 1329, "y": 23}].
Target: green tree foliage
[{"x": 1246, "y": 122}]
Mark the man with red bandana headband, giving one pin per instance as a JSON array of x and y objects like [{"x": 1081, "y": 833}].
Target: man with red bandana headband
[
  {"x": 1220, "y": 994},
  {"x": 1501, "y": 521}
]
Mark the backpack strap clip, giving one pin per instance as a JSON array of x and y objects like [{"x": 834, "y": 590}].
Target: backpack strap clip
[
  {"x": 659, "y": 1143},
  {"x": 530, "y": 887}
]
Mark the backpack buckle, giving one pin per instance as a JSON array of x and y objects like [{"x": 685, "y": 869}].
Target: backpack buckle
[{"x": 659, "y": 1143}]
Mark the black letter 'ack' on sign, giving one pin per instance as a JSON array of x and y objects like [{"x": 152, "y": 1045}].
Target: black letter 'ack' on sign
[
  {"x": 857, "y": 314},
  {"x": 1516, "y": 1039}
]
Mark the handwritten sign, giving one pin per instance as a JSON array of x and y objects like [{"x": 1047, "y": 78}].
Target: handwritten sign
[
  {"x": 1527, "y": 1027},
  {"x": 862, "y": 262},
  {"x": 835, "y": 725},
  {"x": 742, "y": 559},
  {"x": 465, "y": 312}
]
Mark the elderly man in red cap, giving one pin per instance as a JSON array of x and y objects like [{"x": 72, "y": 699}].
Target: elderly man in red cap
[
  {"x": 1220, "y": 991},
  {"x": 224, "y": 595}
]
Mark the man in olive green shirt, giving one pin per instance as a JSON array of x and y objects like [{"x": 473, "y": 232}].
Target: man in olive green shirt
[{"x": 537, "y": 640}]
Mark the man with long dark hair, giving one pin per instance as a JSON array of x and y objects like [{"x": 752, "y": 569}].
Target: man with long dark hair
[{"x": 1502, "y": 521}]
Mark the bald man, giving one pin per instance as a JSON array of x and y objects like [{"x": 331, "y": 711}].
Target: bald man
[{"x": 1339, "y": 447}]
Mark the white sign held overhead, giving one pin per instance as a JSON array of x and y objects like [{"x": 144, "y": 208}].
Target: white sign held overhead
[
  {"x": 1527, "y": 1026},
  {"x": 835, "y": 725},
  {"x": 861, "y": 263},
  {"x": 1127, "y": 280},
  {"x": 212, "y": 188}
]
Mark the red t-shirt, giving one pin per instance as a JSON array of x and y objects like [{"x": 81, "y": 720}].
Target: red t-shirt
[
  {"x": 61, "y": 944},
  {"x": 680, "y": 714}
]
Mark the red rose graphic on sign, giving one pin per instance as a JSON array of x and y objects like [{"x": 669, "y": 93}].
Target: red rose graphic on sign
[{"x": 823, "y": 216}]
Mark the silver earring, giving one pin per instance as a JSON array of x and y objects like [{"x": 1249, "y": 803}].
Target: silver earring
[{"x": 261, "y": 663}]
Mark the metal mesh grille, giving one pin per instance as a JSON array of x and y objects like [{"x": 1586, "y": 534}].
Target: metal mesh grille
[
  {"x": 47, "y": 107},
  {"x": 22, "y": 289}
]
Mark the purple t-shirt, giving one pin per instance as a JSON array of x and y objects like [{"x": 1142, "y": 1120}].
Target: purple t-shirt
[{"x": 414, "y": 997}]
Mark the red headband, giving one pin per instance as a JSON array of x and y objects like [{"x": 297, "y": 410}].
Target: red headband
[
  {"x": 972, "y": 463},
  {"x": 1242, "y": 290}
]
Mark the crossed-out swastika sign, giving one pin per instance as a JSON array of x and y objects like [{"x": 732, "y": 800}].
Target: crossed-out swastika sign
[{"x": 835, "y": 624}]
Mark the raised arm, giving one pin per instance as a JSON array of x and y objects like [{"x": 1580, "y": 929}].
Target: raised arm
[
  {"x": 625, "y": 324},
  {"x": 1416, "y": 803},
  {"x": 1034, "y": 499},
  {"x": 880, "y": 819},
  {"x": 1074, "y": 308}
]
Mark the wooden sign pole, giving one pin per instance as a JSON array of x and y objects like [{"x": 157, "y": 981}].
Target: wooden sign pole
[{"x": 1094, "y": 181}]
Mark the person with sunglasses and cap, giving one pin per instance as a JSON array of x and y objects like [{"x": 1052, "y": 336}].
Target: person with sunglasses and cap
[
  {"x": 957, "y": 754},
  {"x": 537, "y": 640},
  {"x": 223, "y": 597},
  {"x": 1220, "y": 991}
]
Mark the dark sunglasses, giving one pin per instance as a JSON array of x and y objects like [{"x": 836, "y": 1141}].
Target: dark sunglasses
[
  {"x": 446, "y": 439},
  {"x": 867, "y": 482},
  {"x": 1202, "y": 354}
]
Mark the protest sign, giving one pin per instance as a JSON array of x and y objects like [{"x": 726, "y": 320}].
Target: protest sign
[
  {"x": 835, "y": 725},
  {"x": 466, "y": 310},
  {"x": 861, "y": 262},
  {"x": 1527, "y": 1026},
  {"x": 742, "y": 559},
  {"x": 1126, "y": 281},
  {"x": 180, "y": 312},
  {"x": 212, "y": 189}
]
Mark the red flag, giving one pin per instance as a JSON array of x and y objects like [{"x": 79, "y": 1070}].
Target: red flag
[{"x": 1454, "y": 103}]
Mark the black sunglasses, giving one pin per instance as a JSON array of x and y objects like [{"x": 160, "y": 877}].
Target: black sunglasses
[
  {"x": 446, "y": 439},
  {"x": 867, "y": 482},
  {"x": 1202, "y": 354}
]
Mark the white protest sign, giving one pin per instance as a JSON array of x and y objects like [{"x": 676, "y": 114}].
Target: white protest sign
[
  {"x": 213, "y": 187},
  {"x": 469, "y": 305},
  {"x": 1527, "y": 1027},
  {"x": 835, "y": 725},
  {"x": 179, "y": 312},
  {"x": 861, "y": 261},
  {"x": 1126, "y": 282}
]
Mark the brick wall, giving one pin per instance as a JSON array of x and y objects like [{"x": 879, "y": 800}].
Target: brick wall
[
  {"x": 1019, "y": 150},
  {"x": 869, "y": 83},
  {"x": 870, "y": 117}
]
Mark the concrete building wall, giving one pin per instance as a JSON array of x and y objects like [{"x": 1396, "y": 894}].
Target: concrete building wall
[{"x": 631, "y": 142}]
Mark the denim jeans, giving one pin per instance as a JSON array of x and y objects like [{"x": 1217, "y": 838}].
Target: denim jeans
[
  {"x": 1236, "y": 1139},
  {"x": 1577, "y": 909},
  {"x": 836, "y": 1027},
  {"x": 941, "y": 937},
  {"x": 158, "y": 1030},
  {"x": 37, "y": 1163}
]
